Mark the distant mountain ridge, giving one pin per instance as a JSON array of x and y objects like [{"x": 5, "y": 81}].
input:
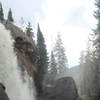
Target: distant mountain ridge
[{"x": 74, "y": 71}]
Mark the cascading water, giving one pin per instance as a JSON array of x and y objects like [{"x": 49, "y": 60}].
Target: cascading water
[{"x": 9, "y": 71}]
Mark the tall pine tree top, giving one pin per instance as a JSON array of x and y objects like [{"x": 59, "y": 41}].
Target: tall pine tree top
[
  {"x": 60, "y": 56},
  {"x": 10, "y": 17},
  {"x": 29, "y": 30},
  {"x": 42, "y": 63},
  {"x": 40, "y": 37},
  {"x": 1, "y": 12},
  {"x": 41, "y": 47}
]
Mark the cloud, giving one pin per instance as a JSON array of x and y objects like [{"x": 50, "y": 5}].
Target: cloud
[
  {"x": 30, "y": 10},
  {"x": 72, "y": 18}
]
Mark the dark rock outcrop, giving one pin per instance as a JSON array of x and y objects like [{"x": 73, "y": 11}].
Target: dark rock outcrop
[
  {"x": 62, "y": 89},
  {"x": 3, "y": 95}
]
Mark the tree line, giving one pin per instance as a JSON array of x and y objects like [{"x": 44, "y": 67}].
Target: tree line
[
  {"x": 9, "y": 18},
  {"x": 90, "y": 63}
]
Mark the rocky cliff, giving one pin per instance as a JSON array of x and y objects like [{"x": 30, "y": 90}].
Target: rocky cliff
[{"x": 24, "y": 47}]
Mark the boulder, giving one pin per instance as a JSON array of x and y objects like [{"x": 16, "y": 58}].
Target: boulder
[{"x": 62, "y": 89}]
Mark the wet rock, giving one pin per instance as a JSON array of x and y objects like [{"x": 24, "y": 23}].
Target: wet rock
[{"x": 3, "y": 95}]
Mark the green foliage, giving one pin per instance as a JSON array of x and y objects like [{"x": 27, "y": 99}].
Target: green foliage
[
  {"x": 89, "y": 76},
  {"x": 97, "y": 30},
  {"x": 97, "y": 45},
  {"x": 42, "y": 63},
  {"x": 10, "y": 18},
  {"x": 97, "y": 97},
  {"x": 90, "y": 79},
  {"x": 1, "y": 12},
  {"x": 29, "y": 30}
]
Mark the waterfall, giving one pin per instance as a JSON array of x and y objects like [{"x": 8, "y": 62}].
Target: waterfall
[{"x": 9, "y": 70}]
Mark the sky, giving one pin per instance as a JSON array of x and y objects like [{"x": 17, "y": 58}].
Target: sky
[{"x": 73, "y": 19}]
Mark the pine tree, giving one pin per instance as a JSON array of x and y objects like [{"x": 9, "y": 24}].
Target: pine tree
[
  {"x": 82, "y": 74},
  {"x": 60, "y": 56},
  {"x": 90, "y": 84},
  {"x": 88, "y": 78},
  {"x": 42, "y": 63},
  {"x": 92, "y": 61},
  {"x": 1, "y": 12},
  {"x": 10, "y": 17},
  {"x": 53, "y": 67},
  {"x": 85, "y": 71},
  {"x": 96, "y": 42},
  {"x": 97, "y": 30},
  {"x": 29, "y": 30}
]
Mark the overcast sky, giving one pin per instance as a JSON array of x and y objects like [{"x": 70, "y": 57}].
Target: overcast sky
[{"x": 72, "y": 18}]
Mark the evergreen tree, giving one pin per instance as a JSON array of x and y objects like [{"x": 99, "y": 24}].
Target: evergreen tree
[
  {"x": 82, "y": 74},
  {"x": 10, "y": 17},
  {"x": 29, "y": 30},
  {"x": 53, "y": 67},
  {"x": 96, "y": 42},
  {"x": 92, "y": 61},
  {"x": 97, "y": 97},
  {"x": 1, "y": 12},
  {"x": 60, "y": 56},
  {"x": 97, "y": 30},
  {"x": 42, "y": 63},
  {"x": 88, "y": 78}
]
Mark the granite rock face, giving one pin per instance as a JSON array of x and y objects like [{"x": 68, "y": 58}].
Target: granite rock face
[
  {"x": 25, "y": 48},
  {"x": 62, "y": 89}
]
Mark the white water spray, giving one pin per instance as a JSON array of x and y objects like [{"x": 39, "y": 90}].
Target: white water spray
[{"x": 9, "y": 72}]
